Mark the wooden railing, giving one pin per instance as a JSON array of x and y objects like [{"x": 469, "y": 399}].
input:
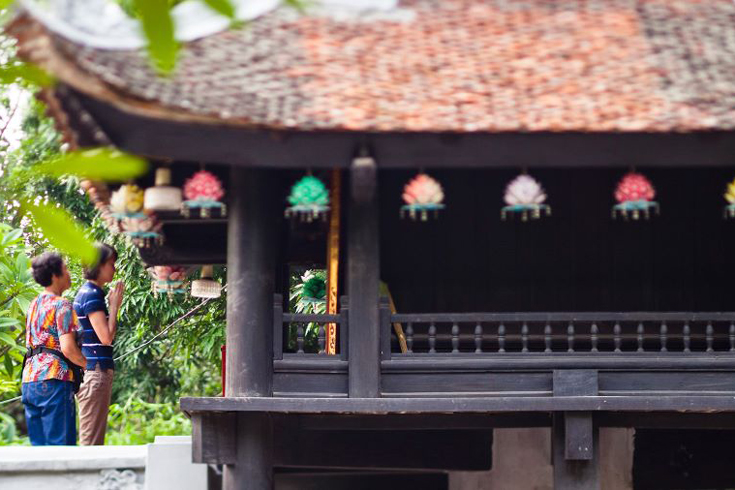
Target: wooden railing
[
  {"x": 297, "y": 325},
  {"x": 593, "y": 333}
]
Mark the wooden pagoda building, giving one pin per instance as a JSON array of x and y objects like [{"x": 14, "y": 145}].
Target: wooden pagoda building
[{"x": 574, "y": 321}]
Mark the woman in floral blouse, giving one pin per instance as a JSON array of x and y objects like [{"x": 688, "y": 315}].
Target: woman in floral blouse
[{"x": 51, "y": 327}]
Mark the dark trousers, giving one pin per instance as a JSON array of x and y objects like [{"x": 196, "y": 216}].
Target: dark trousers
[{"x": 50, "y": 412}]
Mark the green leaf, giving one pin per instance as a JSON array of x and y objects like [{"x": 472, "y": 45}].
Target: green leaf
[
  {"x": 6, "y": 338},
  {"x": 62, "y": 231},
  {"x": 6, "y": 272},
  {"x": 21, "y": 263},
  {"x": 9, "y": 368},
  {"x": 9, "y": 322},
  {"x": 24, "y": 73},
  {"x": 158, "y": 27},
  {"x": 224, "y": 7},
  {"x": 96, "y": 164},
  {"x": 11, "y": 237}
]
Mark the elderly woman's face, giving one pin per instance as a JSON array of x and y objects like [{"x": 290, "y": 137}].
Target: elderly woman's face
[{"x": 64, "y": 278}]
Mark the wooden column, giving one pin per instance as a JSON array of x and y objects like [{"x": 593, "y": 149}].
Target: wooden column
[
  {"x": 575, "y": 436},
  {"x": 251, "y": 247},
  {"x": 363, "y": 270}
]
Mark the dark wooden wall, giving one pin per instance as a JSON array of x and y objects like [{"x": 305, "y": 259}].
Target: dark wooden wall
[
  {"x": 579, "y": 259},
  {"x": 683, "y": 459}
]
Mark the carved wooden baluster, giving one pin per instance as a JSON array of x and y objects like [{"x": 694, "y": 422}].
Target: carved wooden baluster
[
  {"x": 732, "y": 337},
  {"x": 687, "y": 337},
  {"x": 409, "y": 338},
  {"x": 617, "y": 336},
  {"x": 432, "y": 338},
  {"x": 478, "y": 338},
  {"x": 322, "y": 336},
  {"x": 547, "y": 338},
  {"x": 570, "y": 337},
  {"x": 455, "y": 338},
  {"x": 594, "y": 331},
  {"x": 501, "y": 338},
  {"x": 300, "y": 338},
  {"x": 709, "y": 336},
  {"x": 641, "y": 332},
  {"x": 664, "y": 336},
  {"x": 524, "y": 337}
]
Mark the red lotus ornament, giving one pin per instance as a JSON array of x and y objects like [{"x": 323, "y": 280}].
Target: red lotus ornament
[{"x": 635, "y": 197}]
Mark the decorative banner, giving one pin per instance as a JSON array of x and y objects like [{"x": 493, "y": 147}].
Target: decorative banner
[
  {"x": 203, "y": 191},
  {"x": 524, "y": 196},
  {"x": 126, "y": 206},
  {"x": 333, "y": 259},
  {"x": 729, "y": 211},
  {"x": 422, "y": 194},
  {"x": 635, "y": 197},
  {"x": 309, "y": 200}
]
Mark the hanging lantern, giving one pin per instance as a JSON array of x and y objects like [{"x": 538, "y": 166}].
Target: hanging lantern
[
  {"x": 524, "y": 196},
  {"x": 730, "y": 198},
  {"x": 167, "y": 279},
  {"x": 422, "y": 194},
  {"x": 206, "y": 286},
  {"x": 635, "y": 197},
  {"x": 309, "y": 200},
  {"x": 126, "y": 206},
  {"x": 203, "y": 191},
  {"x": 163, "y": 196}
]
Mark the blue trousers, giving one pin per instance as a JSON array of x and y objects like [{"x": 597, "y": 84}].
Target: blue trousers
[{"x": 50, "y": 412}]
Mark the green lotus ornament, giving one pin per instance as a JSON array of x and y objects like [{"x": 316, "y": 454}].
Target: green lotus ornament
[{"x": 309, "y": 200}]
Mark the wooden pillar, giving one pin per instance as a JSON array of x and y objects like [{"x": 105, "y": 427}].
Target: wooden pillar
[
  {"x": 575, "y": 437},
  {"x": 574, "y": 474},
  {"x": 363, "y": 271},
  {"x": 251, "y": 247}
]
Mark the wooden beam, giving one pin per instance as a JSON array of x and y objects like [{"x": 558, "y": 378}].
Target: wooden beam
[
  {"x": 321, "y": 149},
  {"x": 437, "y": 449},
  {"x": 213, "y": 437},
  {"x": 579, "y": 430},
  {"x": 363, "y": 270},
  {"x": 360, "y": 480},
  {"x": 498, "y": 404}
]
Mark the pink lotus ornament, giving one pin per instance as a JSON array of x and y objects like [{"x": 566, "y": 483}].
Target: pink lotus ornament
[
  {"x": 635, "y": 197},
  {"x": 168, "y": 279},
  {"x": 143, "y": 230},
  {"x": 203, "y": 191},
  {"x": 525, "y": 196},
  {"x": 421, "y": 195}
]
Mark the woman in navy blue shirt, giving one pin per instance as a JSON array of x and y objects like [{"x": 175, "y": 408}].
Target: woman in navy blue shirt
[{"x": 99, "y": 328}]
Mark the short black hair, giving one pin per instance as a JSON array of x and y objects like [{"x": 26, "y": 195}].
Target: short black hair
[
  {"x": 45, "y": 266},
  {"x": 106, "y": 252}
]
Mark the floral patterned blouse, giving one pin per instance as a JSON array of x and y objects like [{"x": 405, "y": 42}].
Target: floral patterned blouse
[{"x": 49, "y": 316}]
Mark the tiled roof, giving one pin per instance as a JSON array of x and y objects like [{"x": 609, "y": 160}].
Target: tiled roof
[{"x": 452, "y": 65}]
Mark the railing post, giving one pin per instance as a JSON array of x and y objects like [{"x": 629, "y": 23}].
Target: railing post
[
  {"x": 277, "y": 326},
  {"x": 385, "y": 328},
  {"x": 363, "y": 270},
  {"x": 344, "y": 327}
]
